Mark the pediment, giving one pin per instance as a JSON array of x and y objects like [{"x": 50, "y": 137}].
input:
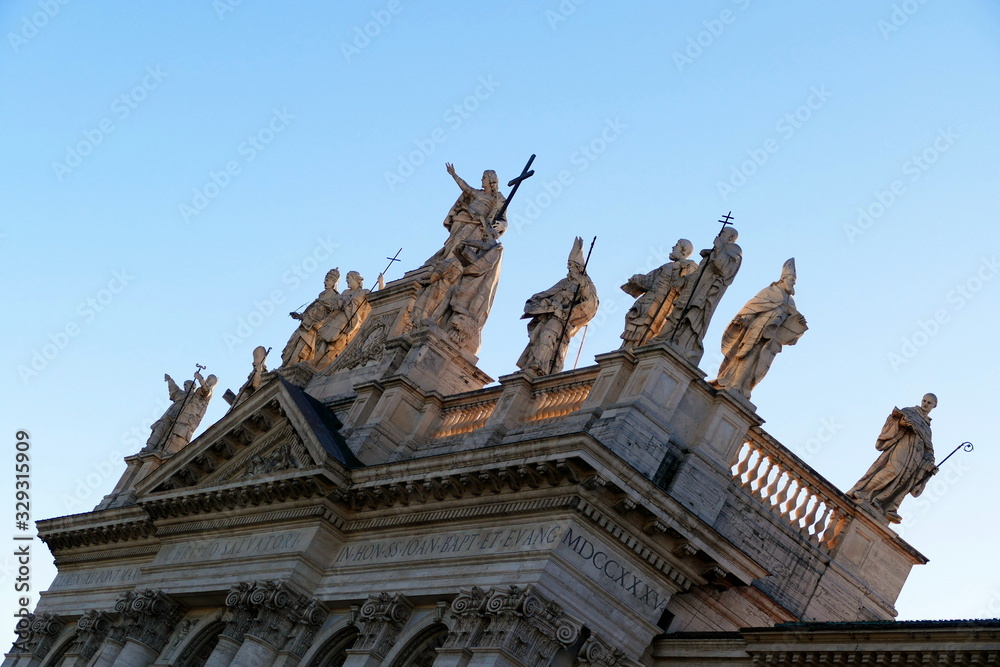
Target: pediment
[{"x": 280, "y": 428}]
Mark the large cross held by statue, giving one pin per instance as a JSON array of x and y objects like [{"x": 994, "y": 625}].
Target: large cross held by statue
[{"x": 515, "y": 183}]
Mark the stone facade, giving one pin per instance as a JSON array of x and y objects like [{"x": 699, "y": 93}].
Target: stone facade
[{"x": 393, "y": 509}]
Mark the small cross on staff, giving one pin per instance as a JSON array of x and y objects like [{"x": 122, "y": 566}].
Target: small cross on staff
[
  {"x": 394, "y": 258},
  {"x": 515, "y": 183},
  {"x": 725, "y": 220}
]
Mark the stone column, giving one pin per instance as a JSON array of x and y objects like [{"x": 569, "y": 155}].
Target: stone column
[
  {"x": 505, "y": 626},
  {"x": 35, "y": 635},
  {"x": 109, "y": 650},
  {"x": 148, "y": 617},
  {"x": 381, "y": 619},
  {"x": 224, "y": 652},
  {"x": 263, "y": 619},
  {"x": 91, "y": 630}
]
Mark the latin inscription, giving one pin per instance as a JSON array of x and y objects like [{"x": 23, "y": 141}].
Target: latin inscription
[
  {"x": 252, "y": 545},
  {"x": 91, "y": 578},
  {"x": 447, "y": 545},
  {"x": 611, "y": 571}
]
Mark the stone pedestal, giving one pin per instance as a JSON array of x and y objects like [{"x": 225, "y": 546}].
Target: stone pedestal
[{"x": 138, "y": 466}]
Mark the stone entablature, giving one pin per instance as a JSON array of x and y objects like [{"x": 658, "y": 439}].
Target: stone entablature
[{"x": 975, "y": 642}]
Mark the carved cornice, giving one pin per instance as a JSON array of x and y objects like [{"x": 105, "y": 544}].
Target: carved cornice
[
  {"x": 493, "y": 480},
  {"x": 236, "y": 497},
  {"x": 380, "y": 620},
  {"x": 86, "y": 536},
  {"x": 274, "y": 613},
  {"x": 148, "y": 616},
  {"x": 512, "y": 619},
  {"x": 36, "y": 634}
]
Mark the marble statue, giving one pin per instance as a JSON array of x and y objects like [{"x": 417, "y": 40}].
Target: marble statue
[
  {"x": 472, "y": 215},
  {"x": 657, "y": 293},
  {"x": 556, "y": 315},
  {"x": 906, "y": 461},
  {"x": 686, "y": 326},
  {"x": 757, "y": 333},
  {"x": 434, "y": 288},
  {"x": 302, "y": 345},
  {"x": 254, "y": 380},
  {"x": 188, "y": 405},
  {"x": 463, "y": 311},
  {"x": 344, "y": 320}
]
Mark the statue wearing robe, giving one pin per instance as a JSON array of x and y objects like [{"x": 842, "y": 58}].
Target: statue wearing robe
[
  {"x": 302, "y": 345},
  {"x": 657, "y": 293},
  {"x": 343, "y": 321},
  {"x": 905, "y": 464},
  {"x": 757, "y": 333},
  {"x": 174, "y": 429},
  {"x": 557, "y": 314},
  {"x": 466, "y": 305},
  {"x": 686, "y": 326},
  {"x": 472, "y": 215}
]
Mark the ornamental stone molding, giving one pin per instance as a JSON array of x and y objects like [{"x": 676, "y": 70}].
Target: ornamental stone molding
[
  {"x": 91, "y": 629},
  {"x": 599, "y": 653},
  {"x": 148, "y": 616},
  {"x": 380, "y": 620},
  {"x": 36, "y": 634},
  {"x": 272, "y": 612},
  {"x": 512, "y": 619}
]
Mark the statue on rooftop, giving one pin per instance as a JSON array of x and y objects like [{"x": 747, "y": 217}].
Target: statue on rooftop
[
  {"x": 906, "y": 461},
  {"x": 344, "y": 320},
  {"x": 472, "y": 214},
  {"x": 254, "y": 380},
  {"x": 657, "y": 293},
  {"x": 703, "y": 289},
  {"x": 188, "y": 405},
  {"x": 302, "y": 345},
  {"x": 556, "y": 315},
  {"x": 757, "y": 333},
  {"x": 463, "y": 311}
]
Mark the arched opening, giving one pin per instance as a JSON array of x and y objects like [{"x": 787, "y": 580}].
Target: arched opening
[
  {"x": 334, "y": 652},
  {"x": 422, "y": 649},
  {"x": 198, "y": 650}
]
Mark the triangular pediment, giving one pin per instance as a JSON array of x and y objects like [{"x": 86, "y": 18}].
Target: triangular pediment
[{"x": 280, "y": 428}]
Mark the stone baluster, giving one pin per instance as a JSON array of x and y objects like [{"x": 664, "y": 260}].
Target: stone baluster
[
  {"x": 743, "y": 463},
  {"x": 382, "y": 617},
  {"x": 810, "y": 517},
  {"x": 763, "y": 473},
  {"x": 35, "y": 635}
]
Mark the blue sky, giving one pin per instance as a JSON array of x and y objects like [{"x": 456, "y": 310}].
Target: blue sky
[{"x": 178, "y": 176}]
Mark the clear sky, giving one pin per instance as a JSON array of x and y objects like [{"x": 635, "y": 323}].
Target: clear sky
[{"x": 178, "y": 176}]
